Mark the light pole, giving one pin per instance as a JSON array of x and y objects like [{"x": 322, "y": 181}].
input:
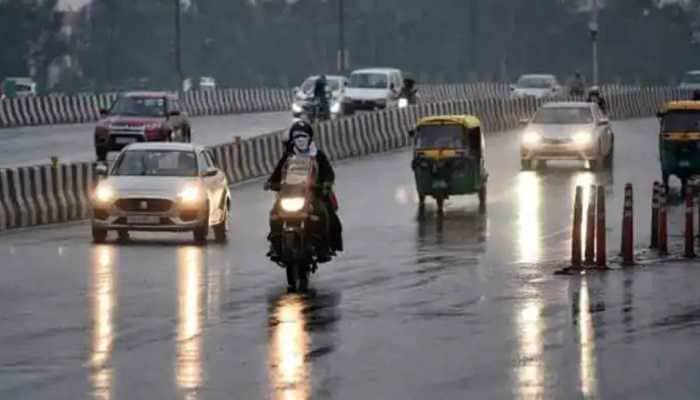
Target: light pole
[
  {"x": 178, "y": 45},
  {"x": 593, "y": 29},
  {"x": 342, "y": 56}
]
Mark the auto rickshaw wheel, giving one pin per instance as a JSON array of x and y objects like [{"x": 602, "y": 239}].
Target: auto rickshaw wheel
[
  {"x": 482, "y": 196},
  {"x": 440, "y": 204}
]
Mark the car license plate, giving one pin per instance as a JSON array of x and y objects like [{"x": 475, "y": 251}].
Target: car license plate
[
  {"x": 125, "y": 140},
  {"x": 142, "y": 220},
  {"x": 684, "y": 163}
]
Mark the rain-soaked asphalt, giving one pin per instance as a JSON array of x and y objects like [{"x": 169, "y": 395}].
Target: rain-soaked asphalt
[
  {"x": 415, "y": 309},
  {"x": 32, "y": 145}
]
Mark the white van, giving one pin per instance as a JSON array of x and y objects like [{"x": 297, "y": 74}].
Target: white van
[{"x": 373, "y": 89}]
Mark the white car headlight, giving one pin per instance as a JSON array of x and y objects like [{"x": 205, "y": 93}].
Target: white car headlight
[
  {"x": 582, "y": 138},
  {"x": 104, "y": 193},
  {"x": 292, "y": 204},
  {"x": 403, "y": 103},
  {"x": 531, "y": 137},
  {"x": 190, "y": 194},
  {"x": 297, "y": 108},
  {"x": 335, "y": 107}
]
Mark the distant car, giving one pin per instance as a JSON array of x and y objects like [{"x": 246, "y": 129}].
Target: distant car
[
  {"x": 16, "y": 87},
  {"x": 161, "y": 187},
  {"x": 373, "y": 89},
  {"x": 141, "y": 117},
  {"x": 568, "y": 131},
  {"x": 539, "y": 86},
  {"x": 304, "y": 95},
  {"x": 691, "y": 80}
]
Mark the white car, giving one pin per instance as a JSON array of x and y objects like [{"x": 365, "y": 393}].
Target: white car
[
  {"x": 691, "y": 80},
  {"x": 304, "y": 95},
  {"x": 568, "y": 131},
  {"x": 373, "y": 89},
  {"x": 161, "y": 187},
  {"x": 539, "y": 86}
]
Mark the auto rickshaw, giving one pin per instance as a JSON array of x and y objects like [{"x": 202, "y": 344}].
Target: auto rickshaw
[
  {"x": 449, "y": 158},
  {"x": 679, "y": 141}
]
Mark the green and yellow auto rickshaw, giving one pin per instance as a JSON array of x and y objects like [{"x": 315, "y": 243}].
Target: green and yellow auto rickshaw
[
  {"x": 448, "y": 158},
  {"x": 679, "y": 141}
]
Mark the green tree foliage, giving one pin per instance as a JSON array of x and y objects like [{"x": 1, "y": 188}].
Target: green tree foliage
[{"x": 31, "y": 30}]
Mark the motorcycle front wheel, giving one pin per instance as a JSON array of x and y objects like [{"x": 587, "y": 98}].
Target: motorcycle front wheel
[{"x": 298, "y": 277}]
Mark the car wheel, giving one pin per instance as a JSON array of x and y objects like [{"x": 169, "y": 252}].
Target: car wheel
[
  {"x": 525, "y": 165},
  {"x": 201, "y": 232},
  {"x": 101, "y": 154},
  {"x": 221, "y": 229},
  {"x": 99, "y": 235}
]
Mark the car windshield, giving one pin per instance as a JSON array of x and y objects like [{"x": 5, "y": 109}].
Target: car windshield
[
  {"x": 691, "y": 78},
  {"x": 564, "y": 115},
  {"x": 535, "y": 82},
  {"x": 369, "y": 81},
  {"x": 308, "y": 85},
  {"x": 681, "y": 121},
  {"x": 156, "y": 163},
  {"x": 440, "y": 137},
  {"x": 139, "y": 106}
]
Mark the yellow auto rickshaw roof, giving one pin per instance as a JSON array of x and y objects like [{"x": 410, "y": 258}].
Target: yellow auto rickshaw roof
[
  {"x": 468, "y": 121},
  {"x": 682, "y": 105}
]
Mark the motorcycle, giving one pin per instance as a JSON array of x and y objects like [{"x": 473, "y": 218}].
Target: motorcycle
[{"x": 299, "y": 225}]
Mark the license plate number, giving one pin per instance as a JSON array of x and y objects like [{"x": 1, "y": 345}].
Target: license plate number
[
  {"x": 125, "y": 140},
  {"x": 142, "y": 220},
  {"x": 684, "y": 163}
]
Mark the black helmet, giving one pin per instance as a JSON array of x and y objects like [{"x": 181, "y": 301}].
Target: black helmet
[{"x": 301, "y": 126}]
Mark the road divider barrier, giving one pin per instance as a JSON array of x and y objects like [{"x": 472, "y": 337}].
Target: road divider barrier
[
  {"x": 56, "y": 195},
  {"x": 655, "y": 217},
  {"x": 590, "y": 227},
  {"x": 689, "y": 217},
  {"x": 576, "y": 230},
  {"x": 663, "y": 222},
  {"x": 601, "y": 245}
]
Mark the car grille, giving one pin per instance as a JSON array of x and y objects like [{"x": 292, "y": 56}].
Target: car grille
[
  {"x": 556, "y": 140},
  {"x": 144, "y": 205}
]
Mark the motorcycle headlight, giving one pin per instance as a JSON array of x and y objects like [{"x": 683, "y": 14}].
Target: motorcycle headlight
[
  {"x": 190, "y": 195},
  {"x": 582, "y": 138},
  {"x": 531, "y": 138},
  {"x": 292, "y": 204},
  {"x": 104, "y": 193},
  {"x": 297, "y": 108},
  {"x": 403, "y": 103},
  {"x": 335, "y": 107}
]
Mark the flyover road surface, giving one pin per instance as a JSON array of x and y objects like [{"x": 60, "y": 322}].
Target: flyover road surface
[
  {"x": 415, "y": 309},
  {"x": 36, "y": 144}
]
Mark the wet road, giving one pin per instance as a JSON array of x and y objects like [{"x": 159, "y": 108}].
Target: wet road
[
  {"x": 416, "y": 309},
  {"x": 36, "y": 144}
]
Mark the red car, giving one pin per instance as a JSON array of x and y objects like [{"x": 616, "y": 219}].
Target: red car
[{"x": 141, "y": 117}]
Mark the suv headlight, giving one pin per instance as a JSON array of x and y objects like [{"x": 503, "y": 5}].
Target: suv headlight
[
  {"x": 297, "y": 108},
  {"x": 335, "y": 107},
  {"x": 292, "y": 204},
  {"x": 104, "y": 193},
  {"x": 531, "y": 138},
  {"x": 582, "y": 138},
  {"x": 403, "y": 103}
]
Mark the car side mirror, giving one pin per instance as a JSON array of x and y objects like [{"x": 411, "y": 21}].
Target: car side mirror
[
  {"x": 512, "y": 88},
  {"x": 104, "y": 112},
  {"x": 524, "y": 121},
  {"x": 209, "y": 172},
  {"x": 101, "y": 170},
  {"x": 174, "y": 113}
]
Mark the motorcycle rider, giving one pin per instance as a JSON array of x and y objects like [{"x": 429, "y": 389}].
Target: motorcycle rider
[
  {"x": 409, "y": 91},
  {"x": 320, "y": 94},
  {"x": 301, "y": 142},
  {"x": 594, "y": 96},
  {"x": 578, "y": 86}
]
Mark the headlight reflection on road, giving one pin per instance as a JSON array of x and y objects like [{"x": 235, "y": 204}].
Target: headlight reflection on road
[
  {"x": 529, "y": 217},
  {"x": 289, "y": 343},
  {"x": 587, "y": 366},
  {"x": 188, "y": 364},
  {"x": 103, "y": 295},
  {"x": 530, "y": 368}
]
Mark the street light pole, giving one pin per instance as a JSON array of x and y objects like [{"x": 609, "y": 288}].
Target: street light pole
[
  {"x": 341, "y": 36},
  {"x": 593, "y": 29},
  {"x": 178, "y": 44}
]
